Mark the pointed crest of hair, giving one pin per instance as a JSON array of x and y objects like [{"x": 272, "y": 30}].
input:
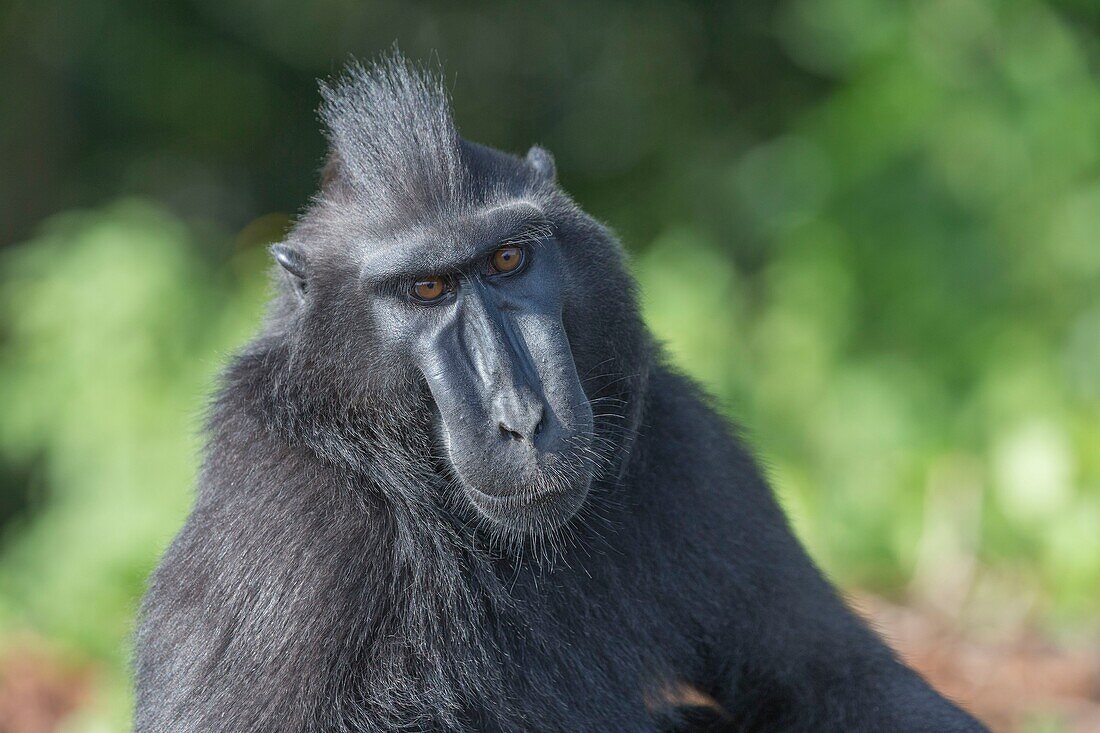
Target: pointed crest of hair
[{"x": 391, "y": 128}]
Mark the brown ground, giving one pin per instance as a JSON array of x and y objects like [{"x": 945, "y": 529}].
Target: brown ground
[
  {"x": 37, "y": 689},
  {"x": 1019, "y": 685}
]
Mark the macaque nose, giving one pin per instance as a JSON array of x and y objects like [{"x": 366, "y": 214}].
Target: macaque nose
[{"x": 522, "y": 421}]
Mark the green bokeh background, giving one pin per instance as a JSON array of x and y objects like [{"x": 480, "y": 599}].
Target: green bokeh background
[{"x": 870, "y": 227}]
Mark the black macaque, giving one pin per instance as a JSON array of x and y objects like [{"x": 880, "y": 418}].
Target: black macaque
[{"x": 454, "y": 486}]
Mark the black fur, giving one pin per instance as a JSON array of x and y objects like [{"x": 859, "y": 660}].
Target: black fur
[{"x": 331, "y": 576}]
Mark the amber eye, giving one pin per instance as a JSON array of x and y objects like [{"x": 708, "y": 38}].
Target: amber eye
[
  {"x": 430, "y": 289},
  {"x": 506, "y": 259}
]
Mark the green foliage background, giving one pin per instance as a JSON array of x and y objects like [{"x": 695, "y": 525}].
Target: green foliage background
[{"x": 870, "y": 227}]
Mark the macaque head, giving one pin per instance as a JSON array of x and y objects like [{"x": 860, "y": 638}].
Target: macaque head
[{"x": 457, "y": 291}]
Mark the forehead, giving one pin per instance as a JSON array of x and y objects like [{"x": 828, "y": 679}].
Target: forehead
[{"x": 449, "y": 243}]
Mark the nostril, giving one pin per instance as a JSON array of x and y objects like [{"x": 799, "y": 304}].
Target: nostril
[
  {"x": 508, "y": 433},
  {"x": 538, "y": 428}
]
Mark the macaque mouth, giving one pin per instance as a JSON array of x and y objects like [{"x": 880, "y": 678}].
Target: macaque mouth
[
  {"x": 521, "y": 454},
  {"x": 521, "y": 484},
  {"x": 519, "y": 502},
  {"x": 542, "y": 505}
]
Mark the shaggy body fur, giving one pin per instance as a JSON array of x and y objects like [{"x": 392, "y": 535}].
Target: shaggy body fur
[{"x": 331, "y": 576}]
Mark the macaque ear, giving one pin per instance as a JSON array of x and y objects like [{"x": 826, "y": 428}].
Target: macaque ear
[
  {"x": 294, "y": 264},
  {"x": 543, "y": 163}
]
